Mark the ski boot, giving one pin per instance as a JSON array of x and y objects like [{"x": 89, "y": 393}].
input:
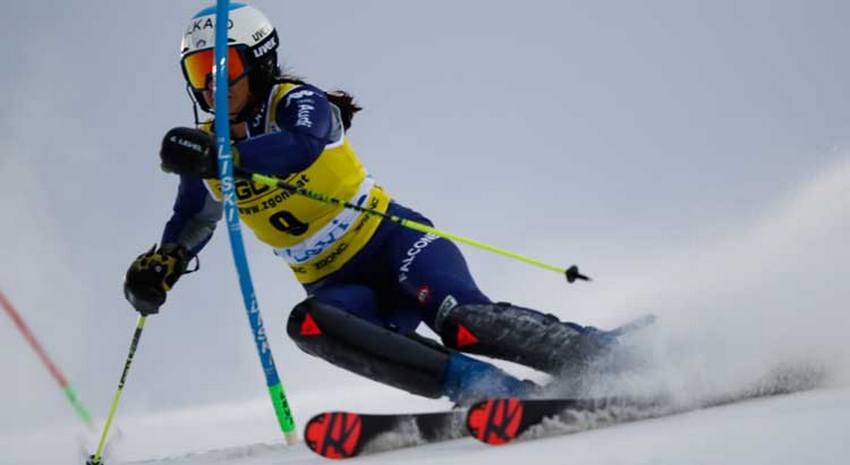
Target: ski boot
[{"x": 467, "y": 380}]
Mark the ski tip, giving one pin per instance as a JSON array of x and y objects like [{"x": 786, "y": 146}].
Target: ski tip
[
  {"x": 334, "y": 435},
  {"x": 495, "y": 421},
  {"x": 635, "y": 325}
]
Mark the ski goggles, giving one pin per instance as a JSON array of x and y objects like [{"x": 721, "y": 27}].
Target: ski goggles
[{"x": 198, "y": 66}]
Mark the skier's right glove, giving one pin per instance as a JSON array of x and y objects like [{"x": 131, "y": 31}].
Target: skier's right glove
[
  {"x": 152, "y": 274},
  {"x": 189, "y": 151}
]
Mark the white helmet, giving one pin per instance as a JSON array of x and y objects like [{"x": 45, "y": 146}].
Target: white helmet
[
  {"x": 246, "y": 26},
  {"x": 249, "y": 33}
]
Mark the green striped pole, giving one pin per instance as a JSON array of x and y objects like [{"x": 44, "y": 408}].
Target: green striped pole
[
  {"x": 572, "y": 273},
  {"x": 69, "y": 391}
]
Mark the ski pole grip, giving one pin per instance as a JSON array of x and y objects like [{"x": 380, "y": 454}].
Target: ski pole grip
[{"x": 573, "y": 274}]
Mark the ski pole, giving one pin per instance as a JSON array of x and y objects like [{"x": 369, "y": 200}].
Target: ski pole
[
  {"x": 572, "y": 273},
  {"x": 70, "y": 392},
  {"x": 280, "y": 403},
  {"x": 95, "y": 458}
]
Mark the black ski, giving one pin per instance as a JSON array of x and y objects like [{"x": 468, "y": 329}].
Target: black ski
[
  {"x": 339, "y": 435},
  {"x": 499, "y": 421}
]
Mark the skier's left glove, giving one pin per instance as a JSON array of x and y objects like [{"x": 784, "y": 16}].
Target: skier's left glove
[
  {"x": 189, "y": 151},
  {"x": 152, "y": 274}
]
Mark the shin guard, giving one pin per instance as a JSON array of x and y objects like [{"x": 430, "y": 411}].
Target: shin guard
[
  {"x": 412, "y": 363},
  {"x": 521, "y": 335}
]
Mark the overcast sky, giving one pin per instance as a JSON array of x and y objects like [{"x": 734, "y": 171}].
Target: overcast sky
[{"x": 627, "y": 137}]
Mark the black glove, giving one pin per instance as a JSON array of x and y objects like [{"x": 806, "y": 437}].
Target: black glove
[
  {"x": 152, "y": 274},
  {"x": 189, "y": 151}
]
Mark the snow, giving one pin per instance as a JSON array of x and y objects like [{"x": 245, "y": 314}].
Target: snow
[
  {"x": 719, "y": 330},
  {"x": 804, "y": 428},
  {"x": 703, "y": 185}
]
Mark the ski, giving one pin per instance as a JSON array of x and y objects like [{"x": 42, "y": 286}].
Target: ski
[
  {"x": 500, "y": 421},
  {"x": 340, "y": 435}
]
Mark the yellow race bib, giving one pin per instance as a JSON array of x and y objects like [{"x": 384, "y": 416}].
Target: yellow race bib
[{"x": 313, "y": 237}]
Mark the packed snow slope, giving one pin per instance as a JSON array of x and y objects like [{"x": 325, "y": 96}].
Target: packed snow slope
[
  {"x": 805, "y": 428},
  {"x": 772, "y": 296},
  {"x": 690, "y": 156}
]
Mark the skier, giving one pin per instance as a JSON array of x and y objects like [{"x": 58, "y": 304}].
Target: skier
[{"x": 370, "y": 283}]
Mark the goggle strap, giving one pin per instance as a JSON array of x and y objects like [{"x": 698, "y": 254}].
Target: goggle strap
[{"x": 194, "y": 104}]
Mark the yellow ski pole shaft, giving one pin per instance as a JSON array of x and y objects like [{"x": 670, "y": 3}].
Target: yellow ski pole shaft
[
  {"x": 572, "y": 273},
  {"x": 95, "y": 459}
]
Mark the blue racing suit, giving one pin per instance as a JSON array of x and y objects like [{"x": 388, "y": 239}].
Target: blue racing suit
[{"x": 400, "y": 278}]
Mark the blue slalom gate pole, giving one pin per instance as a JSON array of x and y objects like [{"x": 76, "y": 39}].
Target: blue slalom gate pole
[{"x": 231, "y": 213}]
